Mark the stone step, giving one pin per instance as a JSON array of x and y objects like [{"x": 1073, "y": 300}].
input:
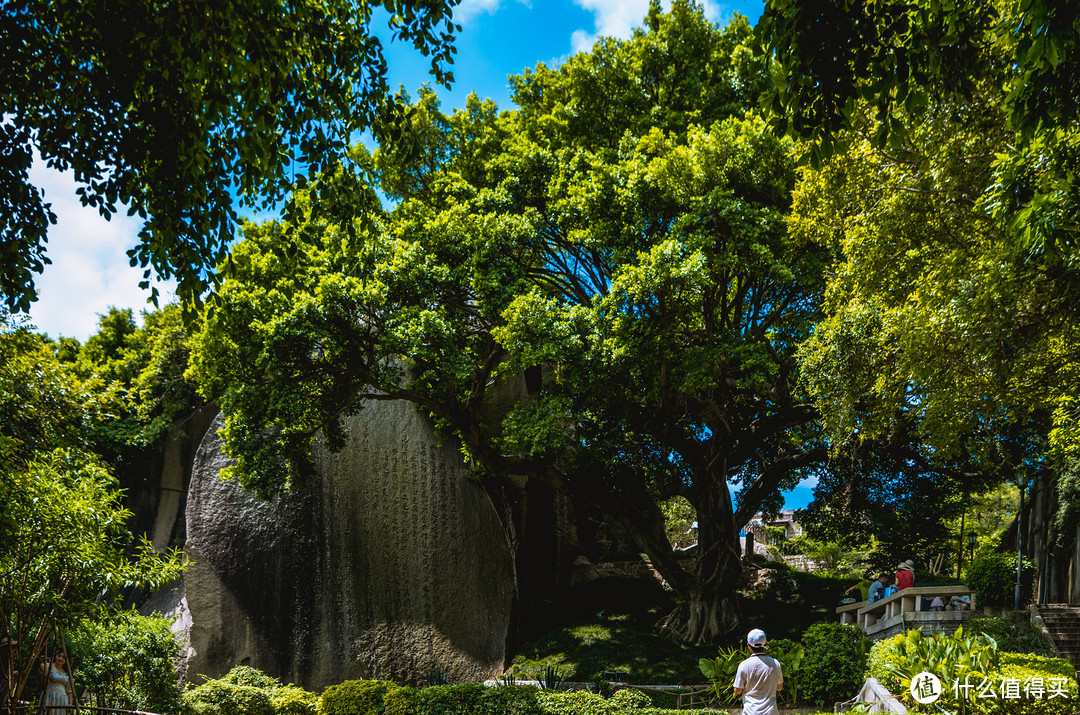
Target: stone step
[
  {"x": 1070, "y": 626},
  {"x": 1062, "y": 620}
]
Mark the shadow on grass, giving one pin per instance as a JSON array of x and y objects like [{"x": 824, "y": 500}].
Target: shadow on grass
[{"x": 610, "y": 625}]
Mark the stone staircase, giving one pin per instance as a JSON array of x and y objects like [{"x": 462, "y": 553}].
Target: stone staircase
[{"x": 1063, "y": 623}]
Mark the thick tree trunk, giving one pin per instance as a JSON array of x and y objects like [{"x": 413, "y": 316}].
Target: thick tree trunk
[
  {"x": 707, "y": 608},
  {"x": 704, "y": 615}
]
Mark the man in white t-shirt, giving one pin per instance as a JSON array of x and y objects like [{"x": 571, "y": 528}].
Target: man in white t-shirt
[{"x": 759, "y": 677}]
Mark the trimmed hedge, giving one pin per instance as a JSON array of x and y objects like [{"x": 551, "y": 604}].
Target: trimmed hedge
[
  {"x": 247, "y": 691},
  {"x": 1022, "y": 669},
  {"x": 463, "y": 699},
  {"x": 355, "y": 697},
  {"x": 576, "y": 702},
  {"x": 218, "y": 697},
  {"x": 291, "y": 700},
  {"x": 509, "y": 700},
  {"x": 400, "y": 700},
  {"x": 624, "y": 702}
]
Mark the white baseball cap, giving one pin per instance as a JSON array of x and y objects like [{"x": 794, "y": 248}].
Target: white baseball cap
[{"x": 756, "y": 639}]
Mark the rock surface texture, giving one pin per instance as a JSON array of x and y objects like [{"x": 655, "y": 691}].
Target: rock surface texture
[{"x": 392, "y": 563}]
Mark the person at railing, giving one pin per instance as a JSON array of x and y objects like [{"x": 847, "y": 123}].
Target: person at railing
[
  {"x": 960, "y": 603},
  {"x": 863, "y": 587},
  {"x": 905, "y": 575},
  {"x": 58, "y": 684},
  {"x": 877, "y": 588}
]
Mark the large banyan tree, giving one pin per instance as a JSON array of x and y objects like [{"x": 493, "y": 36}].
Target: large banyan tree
[{"x": 621, "y": 231}]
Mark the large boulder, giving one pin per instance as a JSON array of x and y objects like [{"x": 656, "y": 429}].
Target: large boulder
[{"x": 392, "y": 563}]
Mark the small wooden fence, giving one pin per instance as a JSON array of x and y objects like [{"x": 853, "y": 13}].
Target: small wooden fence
[
  {"x": 24, "y": 708},
  {"x": 686, "y": 696}
]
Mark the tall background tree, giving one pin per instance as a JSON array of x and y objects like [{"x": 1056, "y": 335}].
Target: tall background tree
[
  {"x": 174, "y": 109},
  {"x": 65, "y": 549},
  {"x": 72, "y": 418},
  {"x": 619, "y": 236},
  {"x": 943, "y": 140}
]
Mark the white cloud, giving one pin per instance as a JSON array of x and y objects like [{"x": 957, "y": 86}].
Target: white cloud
[
  {"x": 715, "y": 12},
  {"x": 89, "y": 271},
  {"x": 470, "y": 9},
  {"x": 618, "y": 18}
]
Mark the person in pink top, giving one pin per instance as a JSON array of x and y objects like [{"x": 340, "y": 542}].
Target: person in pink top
[{"x": 905, "y": 575}]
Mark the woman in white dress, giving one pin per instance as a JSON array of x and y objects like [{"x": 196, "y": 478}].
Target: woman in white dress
[{"x": 58, "y": 685}]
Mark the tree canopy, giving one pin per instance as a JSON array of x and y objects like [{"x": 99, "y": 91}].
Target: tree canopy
[
  {"x": 172, "y": 109},
  {"x": 944, "y": 185},
  {"x": 65, "y": 549},
  {"x": 627, "y": 245}
]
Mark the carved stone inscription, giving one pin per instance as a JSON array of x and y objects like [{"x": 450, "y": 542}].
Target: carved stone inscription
[{"x": 393, "y": 565}]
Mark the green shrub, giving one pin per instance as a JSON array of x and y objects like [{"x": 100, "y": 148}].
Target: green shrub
[
  {"x": 218, "y": 697},
  {"x": 882, "y": 653},
  {"x": 127, "y": 661},
  {"x": 576, "y": 702},
  {"x": 791, "y": 656},
  {"x": 355, "y": 697},
  {"x": 247, "y": 691},
  {"x": 1022, "y": 668},
  {"x": 1044, "y": 664},
  {"x": 1013, "y": 634},
  {"x": 509, "y": 700},
  {"x": 630, "y": 699},
  {"x": 462, "y": 699},
  {"x": 252, "y": 677},
  {"x": 993, "y": 577},
  {"x": 895, "y": 661},
  {"x": 1018, "y": 667},
  {"x": 400, "y": 700},
  {"x": 291, "y": 700},
  {"x": 833, "y": 664}
]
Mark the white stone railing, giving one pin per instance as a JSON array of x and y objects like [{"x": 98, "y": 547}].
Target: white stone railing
[{"x": 873, "y": 617}]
